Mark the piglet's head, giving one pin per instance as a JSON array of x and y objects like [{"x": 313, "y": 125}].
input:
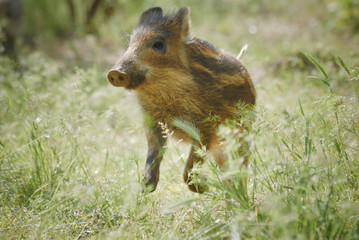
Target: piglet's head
[{"x": 156, "y": 46}]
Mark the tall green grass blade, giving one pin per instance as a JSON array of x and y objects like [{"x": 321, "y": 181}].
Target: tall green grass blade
[
  {"x": 316, "y": 62},
  {"x": 306, "y": 137},
  {"x": 301, "y": 108},
  {"x": 321, "y": 79},
  {"x": 341, "y": 62},
  {"x": 180, "y": 203},
  {"x": 66, "y": 171},
  {"x": 189, "y": 128}
]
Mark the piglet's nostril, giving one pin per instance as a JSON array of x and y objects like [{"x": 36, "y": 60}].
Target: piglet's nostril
[{"x": 118, "y": 78}]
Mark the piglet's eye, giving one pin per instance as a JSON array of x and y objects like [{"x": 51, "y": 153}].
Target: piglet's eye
[{"x": 159, "y": 46}]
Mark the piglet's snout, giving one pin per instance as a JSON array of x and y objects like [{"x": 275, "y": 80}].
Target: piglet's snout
[{"x": 118, "y": 78}]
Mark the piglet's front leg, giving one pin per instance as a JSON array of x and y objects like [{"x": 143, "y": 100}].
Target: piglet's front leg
[{"x": 151, "y": 173}]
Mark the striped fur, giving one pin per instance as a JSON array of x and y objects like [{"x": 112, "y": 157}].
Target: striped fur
[{"x": 190, "y": 79}]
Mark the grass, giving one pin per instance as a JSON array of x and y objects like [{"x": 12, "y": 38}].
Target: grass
[{"x": 72, "y": 147}]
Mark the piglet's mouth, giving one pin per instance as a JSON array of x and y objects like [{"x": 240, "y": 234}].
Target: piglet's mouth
[{"x": 118, "y": 78}]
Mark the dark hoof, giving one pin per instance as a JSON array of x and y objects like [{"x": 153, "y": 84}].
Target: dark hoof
[
  {"x": 194, "y": 186},
  {"x": 149, "y": 184},
  {"x": 197, "y": 188},
  {"x": 148, "y": 188}
]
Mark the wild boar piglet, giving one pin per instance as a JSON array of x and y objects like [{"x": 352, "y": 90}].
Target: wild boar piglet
[{"x": 178, "y": 77}]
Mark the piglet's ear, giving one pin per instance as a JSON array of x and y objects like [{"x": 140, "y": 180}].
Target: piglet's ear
[
  {"x": 183, "y": 19},
  {"x": 151, "y": 15}
]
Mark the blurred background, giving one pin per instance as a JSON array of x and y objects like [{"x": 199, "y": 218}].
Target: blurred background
[{"x": 73, "y": 30}]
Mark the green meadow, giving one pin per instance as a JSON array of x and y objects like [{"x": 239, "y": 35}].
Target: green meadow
[{"x": 73, "y": 147}]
